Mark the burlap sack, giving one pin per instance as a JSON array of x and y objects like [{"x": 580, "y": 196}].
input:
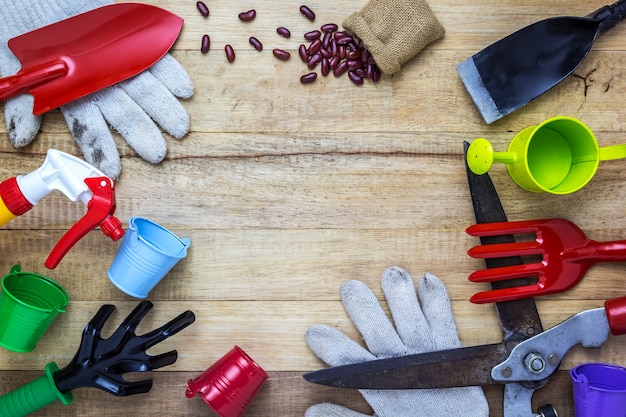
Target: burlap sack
[{"x": 394, "y": 31}]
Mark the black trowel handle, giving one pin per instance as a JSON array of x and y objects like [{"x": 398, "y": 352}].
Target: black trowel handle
[{"x": 609, "y": 16}]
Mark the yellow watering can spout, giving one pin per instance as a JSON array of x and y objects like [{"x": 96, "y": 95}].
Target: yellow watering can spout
[{"x": 481, "y": 156}]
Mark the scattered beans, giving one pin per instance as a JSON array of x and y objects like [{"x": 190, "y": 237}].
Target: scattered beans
[
  {"x": 312, "y": 35},
  {"x": 247, "y": 16},
  {"x": 206, "y": 44},
  {"x": 281, "y": 54},
  {"x": 376, "y": 74},
  {"x": 203, "y": 9},
  {"x": 284, "y": 32},
  {"x": 329, "y": 27},
  {"x": 256, "y": 43},
  {"x": 326, "y": 39},
  {"x": 308, "y": 78},
  {"x": 336, "y": 50},
  {"x": 355, "y": 77},
  {"x": 344, "y": 40},
  {"x": 353, "y": 54},
  {"x": 339, "y": 52},
  {"x": 308, "y": 13},
  {"x": 314, "y": 47},
  {"x": 230, "y": 53},
  {"x": 355, "y": 63},
  {"x": 314, "y": 60},
  {"x": 340, "y": 68},
  {"x": 325, "y": 66},
  {"x": 304, "y": 54}
]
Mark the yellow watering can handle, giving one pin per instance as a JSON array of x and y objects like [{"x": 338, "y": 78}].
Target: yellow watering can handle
[{"x": 609, "y": 153}]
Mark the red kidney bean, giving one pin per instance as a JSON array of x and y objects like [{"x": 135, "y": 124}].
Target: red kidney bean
[
  {"x": 334, "y": 48},
  {"x": 314, "y": 60},
  {"x": 334, "y": 61},
  {"x": 230, "y": 52},
  {"x": 308, "y": 78},
  {"x": 308, "y": 13},
  {"x": 247, "y": 16},
  {"x": 281, "y": 54},
  {"x": 325, "y": 67},
  {"x": 256, "y": 43},
  {"x": 369, "y": 71},
  {"x": 365, "y": 56},
  {"x": 314, "y": 34},
  {"x": 355, "y": 78},
  {"x": 340, "y": 68},
  {"x": 326, "y": 53},
  {"x": 206, "y": 44},
  {"x": 203, "y": 9},
  {"x": 354, "y": 63},
  {"x": 342, "y": 51},
  {"x": 329, "y": 27},
  {"x": 344, "y": 40},
  {"x": 353, "y": 54},
  {"x": 284, "y": 32},
  {"x": 326, "y": 40},
  {"x": 314, "y": 47},
  {"x": 304, "y": 55},
  {"x": 375, "y": 74}
]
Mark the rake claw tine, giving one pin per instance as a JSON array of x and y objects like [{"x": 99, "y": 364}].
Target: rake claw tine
[
  {"x": 139, "y": 387},
  {"x": 504, "y": 228},
  {"x": 506, "y": 294},
  {"x": 167, "y": 330},
  {"x": 162, "y": 360},
  {"x": 134, "y": 318},
  {"x": 506, "y": 272},
  {"x": 130, "y": 323},
  {"x": 95, "y": 325},
  {"x": 502, "y": 250}
]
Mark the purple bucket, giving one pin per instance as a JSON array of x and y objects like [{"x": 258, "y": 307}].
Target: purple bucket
[{"x": 599, "y": 390}]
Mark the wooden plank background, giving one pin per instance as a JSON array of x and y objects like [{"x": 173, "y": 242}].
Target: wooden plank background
[{"x": 288, "y": 190}]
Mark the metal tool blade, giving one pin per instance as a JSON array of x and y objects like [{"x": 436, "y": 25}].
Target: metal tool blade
[
  {"x": 519, "y": 319},
  {"x": 460, "y": 367}
]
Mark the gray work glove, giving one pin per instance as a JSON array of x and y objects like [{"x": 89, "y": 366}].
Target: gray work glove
[
  {"x": 133, "y": 107},
  {"x": 423, "y": 323}
]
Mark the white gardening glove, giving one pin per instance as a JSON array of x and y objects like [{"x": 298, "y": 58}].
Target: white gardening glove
[
  {"x": 423, "y": 323},
  {"x": 133, "y": 107}
]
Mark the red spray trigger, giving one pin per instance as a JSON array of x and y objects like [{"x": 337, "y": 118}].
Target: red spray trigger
[{"x": 100, "y": 211}]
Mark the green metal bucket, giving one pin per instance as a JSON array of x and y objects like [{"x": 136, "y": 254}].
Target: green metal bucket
[{"x": 29, "y": 303}]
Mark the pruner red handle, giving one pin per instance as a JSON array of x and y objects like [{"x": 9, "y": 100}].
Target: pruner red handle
[
  {"x": 100, "y": 211},
  {"x": 616, "y": 315}
]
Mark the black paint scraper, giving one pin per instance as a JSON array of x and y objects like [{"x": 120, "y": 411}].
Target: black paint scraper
[{"x": 519, "y": 68}]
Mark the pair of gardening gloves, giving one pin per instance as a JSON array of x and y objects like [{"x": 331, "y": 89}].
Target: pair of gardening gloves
[
  {"x": 422, "y": 322},
  {"x": 135, "y": 108}
]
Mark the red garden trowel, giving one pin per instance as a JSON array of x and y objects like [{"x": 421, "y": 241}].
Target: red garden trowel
[{"x": 88, "y": 52}]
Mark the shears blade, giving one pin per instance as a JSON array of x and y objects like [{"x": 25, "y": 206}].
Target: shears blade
[{"x": 461, "y": 367}]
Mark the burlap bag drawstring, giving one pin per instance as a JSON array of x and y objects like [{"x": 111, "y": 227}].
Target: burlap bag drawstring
[{"x": 394, "y": 31}]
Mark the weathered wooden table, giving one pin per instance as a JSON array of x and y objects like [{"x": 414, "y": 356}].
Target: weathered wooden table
[{"x": 288, "y": 190}]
